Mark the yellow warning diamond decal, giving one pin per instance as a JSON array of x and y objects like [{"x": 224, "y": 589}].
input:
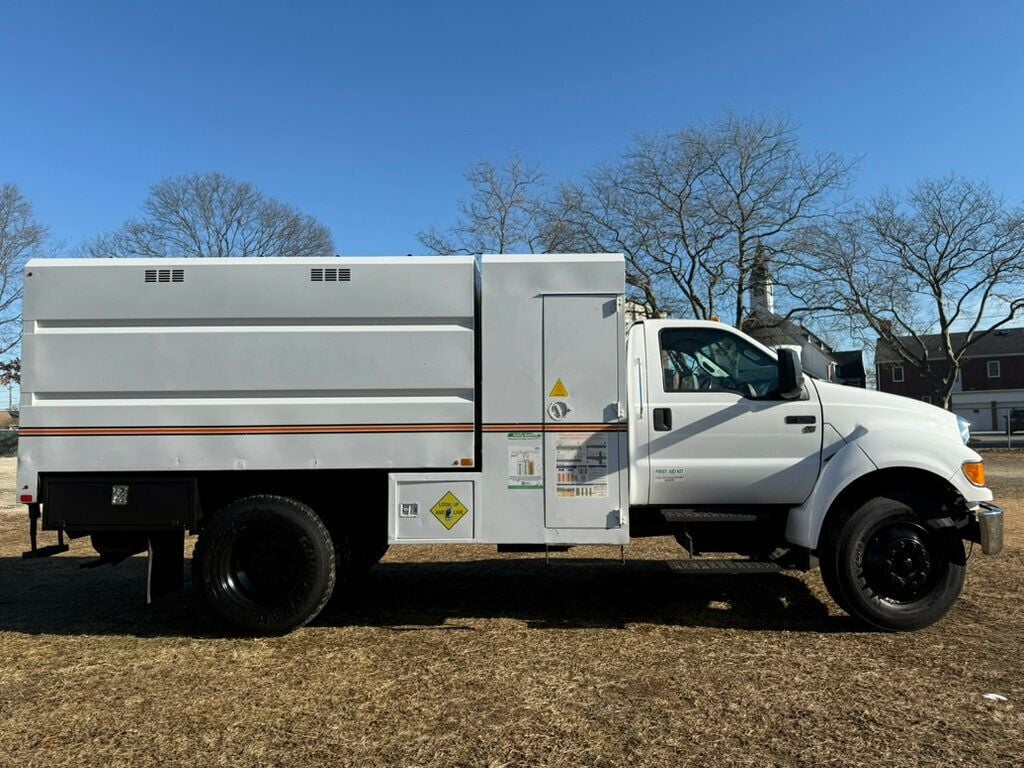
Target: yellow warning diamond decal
[
  {"x": 559, "y": 389},
  {"x": 449, "y": 510}
]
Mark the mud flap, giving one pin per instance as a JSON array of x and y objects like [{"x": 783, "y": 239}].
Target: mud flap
[{"x": 166, "y": 571}]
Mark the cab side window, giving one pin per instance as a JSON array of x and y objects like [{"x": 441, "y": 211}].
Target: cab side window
[{"x": 713, "y": 360}]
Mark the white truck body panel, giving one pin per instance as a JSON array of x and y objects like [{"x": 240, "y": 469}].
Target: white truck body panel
[
  {"x": 545, "y": 319},
  {"x": 150, "y": 366},
  {"x": 206, "y": 364}
]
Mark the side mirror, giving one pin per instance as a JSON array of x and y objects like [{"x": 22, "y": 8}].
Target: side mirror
[{"x": 791, "y": 375}]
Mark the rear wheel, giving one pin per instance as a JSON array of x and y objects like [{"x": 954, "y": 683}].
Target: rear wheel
[
  {"x": 884, "y": 564},
  {"x": 265, "y": 564}
]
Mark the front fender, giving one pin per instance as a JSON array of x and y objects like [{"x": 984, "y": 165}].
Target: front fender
[
  {"x": 924, "y": 450},
  {"x": 804, "y": 522},
  {"x": 875, "y": 450}
]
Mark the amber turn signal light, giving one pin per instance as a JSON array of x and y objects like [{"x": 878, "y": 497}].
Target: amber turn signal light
[{"x": 975, "y": 472}]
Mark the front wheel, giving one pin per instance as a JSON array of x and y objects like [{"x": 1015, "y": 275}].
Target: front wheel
[
  {"x": 265, "y": 564},
  {"x": 885, "y": 565}
]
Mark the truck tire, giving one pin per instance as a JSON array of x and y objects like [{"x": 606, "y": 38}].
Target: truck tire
[
  {"x": 265, "y": 564},
  {"x": 883, "y": 564}
]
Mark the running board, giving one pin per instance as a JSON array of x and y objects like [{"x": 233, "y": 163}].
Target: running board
[
  {"x": 706, "y": 516},
  {"x": 705, "y": 566}
]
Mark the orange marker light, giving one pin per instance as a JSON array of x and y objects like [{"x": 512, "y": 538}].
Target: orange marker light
[
  {"x": 466, "y": 462},
  {"x": 975, "y": 472}
]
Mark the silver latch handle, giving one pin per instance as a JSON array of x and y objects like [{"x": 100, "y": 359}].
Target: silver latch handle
[
  {"x": 639, "y": 388},
  {"x": 559, "y": 409}
]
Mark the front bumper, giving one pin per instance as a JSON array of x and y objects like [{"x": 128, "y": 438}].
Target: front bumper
[{"x": 990, "y": 528}]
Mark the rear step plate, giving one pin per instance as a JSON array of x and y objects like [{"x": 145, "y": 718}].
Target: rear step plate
[
  {"x": 723, "y": 566},
  {"x": 706, "y": 516}
]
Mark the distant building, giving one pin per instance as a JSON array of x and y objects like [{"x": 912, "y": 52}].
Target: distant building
[
  {"x": 816, "y": 356},
  {"x": 636, "y": 311},
  {"x": 990, "y": 382}
]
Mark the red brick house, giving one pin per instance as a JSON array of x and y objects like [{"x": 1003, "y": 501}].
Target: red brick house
[{"x": 990, "y": 384}]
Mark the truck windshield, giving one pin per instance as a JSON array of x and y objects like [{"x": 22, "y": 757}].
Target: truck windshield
[{"x": 712, "y": 360}]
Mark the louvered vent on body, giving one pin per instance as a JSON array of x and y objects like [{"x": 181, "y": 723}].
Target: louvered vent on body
[
  {"x": 330, "y": 274},
  {"x": 164, "y": 276}
]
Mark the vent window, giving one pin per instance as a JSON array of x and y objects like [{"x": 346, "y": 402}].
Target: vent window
[
  {"x": 164, "y": 276},
  {"x": 330, "y": 274}
]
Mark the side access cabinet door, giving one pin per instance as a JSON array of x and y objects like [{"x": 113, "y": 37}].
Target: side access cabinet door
[{"x": 584, "y": 432}]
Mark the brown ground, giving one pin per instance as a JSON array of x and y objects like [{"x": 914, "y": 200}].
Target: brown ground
[{"x": 453, "y": 657}]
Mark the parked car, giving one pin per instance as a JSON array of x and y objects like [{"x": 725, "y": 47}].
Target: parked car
[{"x": 1016, "y": 420}]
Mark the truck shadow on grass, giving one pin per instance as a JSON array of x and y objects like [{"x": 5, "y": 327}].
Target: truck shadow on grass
[
  {"x": 576, "y": 594},
  {"x": 56, "y": 597}
]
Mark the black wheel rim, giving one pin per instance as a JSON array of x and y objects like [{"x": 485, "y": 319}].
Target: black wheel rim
[
  {"x": 901, "y": 562},
  {"x": 261, "y": 568}
]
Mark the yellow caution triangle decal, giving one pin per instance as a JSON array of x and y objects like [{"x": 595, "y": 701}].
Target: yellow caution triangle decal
[{"x": 559, "y": 389}]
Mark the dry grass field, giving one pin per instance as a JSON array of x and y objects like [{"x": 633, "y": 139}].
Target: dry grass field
[{"x": 462, "y": 657}]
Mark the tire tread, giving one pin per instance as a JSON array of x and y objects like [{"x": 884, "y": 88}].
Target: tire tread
[{"x": 202, "y": 546}]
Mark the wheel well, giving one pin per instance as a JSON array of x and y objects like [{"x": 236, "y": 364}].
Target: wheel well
[
  {"x": 919, "y": 482},
  {"x": 340, "y": 497}
]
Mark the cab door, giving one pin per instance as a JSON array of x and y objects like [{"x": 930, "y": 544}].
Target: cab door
[{"x": 717, "y": 431}]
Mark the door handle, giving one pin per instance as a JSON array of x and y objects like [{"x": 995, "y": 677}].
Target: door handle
[
  {"x": 801, "y": 419},
  {"x": 662, "y": 419}
]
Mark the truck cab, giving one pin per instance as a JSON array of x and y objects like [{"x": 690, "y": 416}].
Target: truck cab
[{"x": 732, "y": 448}]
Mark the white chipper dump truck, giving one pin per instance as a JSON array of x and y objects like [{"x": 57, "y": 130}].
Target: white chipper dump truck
[{"x": 301, "y": 415}]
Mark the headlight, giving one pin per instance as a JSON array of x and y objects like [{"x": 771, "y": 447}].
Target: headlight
[{"x": 965, "y": 429}]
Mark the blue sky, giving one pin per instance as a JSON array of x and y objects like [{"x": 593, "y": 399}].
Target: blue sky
[{"x": 365, "y": 114}]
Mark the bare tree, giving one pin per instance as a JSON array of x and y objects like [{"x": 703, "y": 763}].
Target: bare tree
[
  {"x": 690, "y": 209},
  {"x": 945, "y": 258},
  {"x": 766, "y": 193},
  {"x": 21, "y": 238},
  {"x": 504, "y": 212},
  {"x": 10, "y": 374},
  {"x": 648, "y": 207},
  {"x": 211, "y": 214}
]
